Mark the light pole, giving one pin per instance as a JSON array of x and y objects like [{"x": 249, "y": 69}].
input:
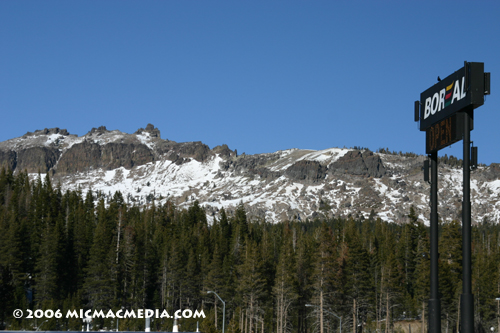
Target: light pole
[
  {"x": 38, "y": 328},
  {"x": 315, "y": 306},
  {"x": 117, "y": 322},
  {"x": 224, "y": 310},
  {"x": 498, "y": 312}
]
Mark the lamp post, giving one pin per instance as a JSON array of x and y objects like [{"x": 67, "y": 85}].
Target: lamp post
[
  {"x": 117, "y": 322},
  {"x": 38, "y": 328},
  {"x": 498, "y": 312},
  {"x": 87, "y": 320},
  {"x": 224, "y": 309},
  {"x": 339, "y": 318}
]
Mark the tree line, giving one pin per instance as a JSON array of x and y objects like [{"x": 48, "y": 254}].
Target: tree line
[{"x": 72, "y": 251}]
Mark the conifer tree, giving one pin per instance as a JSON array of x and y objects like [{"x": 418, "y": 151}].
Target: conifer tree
[
  {"x": 100, "y": 281},
  {"x": 46, "y": 278},
  {"x": 450, "y": 269},
  {"x": 326, "y": 273},
  {"x": 422, "y": 274},
  {"x": 357, "y": 275},
  {"x": 391, "y": 284},
  {"x": 216, "y": 277},
  {"x": 285, "y": 285},
  {"x": 251, "y": 282}
]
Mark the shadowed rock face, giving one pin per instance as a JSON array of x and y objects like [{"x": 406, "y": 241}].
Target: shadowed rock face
[
  {"x": 309, "y": 171},
  {"x": 37, "y": 159},
  {"x": 80, "y": 157},
  {"x": 359, "y": 164},
  {"x": 33, "y": 159},
  {"x": 250, "y": 165},
  {"x": 99, "y": 148},
  {"x": 86, "y": 155},
  {"x": 8, "y": 159}
]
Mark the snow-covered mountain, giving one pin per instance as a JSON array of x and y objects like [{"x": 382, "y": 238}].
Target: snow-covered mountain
[{"x": 287, "y": 184}]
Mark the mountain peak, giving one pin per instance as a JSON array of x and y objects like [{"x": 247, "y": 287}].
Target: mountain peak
[{"x": 151, "y": 129}]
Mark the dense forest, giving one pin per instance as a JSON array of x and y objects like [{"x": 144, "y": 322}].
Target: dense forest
[{"x": 73, "y": 251}]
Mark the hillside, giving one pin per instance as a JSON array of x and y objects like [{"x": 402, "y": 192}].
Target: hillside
[{"x": 284, "y": 185}]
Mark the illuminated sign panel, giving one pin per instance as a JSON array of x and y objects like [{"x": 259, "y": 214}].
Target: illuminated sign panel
[
  {"x": 444, "y": 133},
  {"x": 462, "y": 89}
]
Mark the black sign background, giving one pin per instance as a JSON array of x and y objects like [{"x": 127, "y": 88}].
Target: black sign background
[
  {"x": 449, "y": 110},
  {"x": 473, "y": 74},
  {"x": 444, "y": 133}
]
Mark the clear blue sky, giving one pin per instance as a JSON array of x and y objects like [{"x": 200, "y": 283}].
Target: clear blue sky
[{"x": 259, "y": 76}]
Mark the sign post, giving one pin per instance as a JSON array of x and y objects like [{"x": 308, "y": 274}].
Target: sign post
[
  {"x": 434, "y": 301},
  {"x": 467, "y": 298},
  {"x": 446, "y": 112}
]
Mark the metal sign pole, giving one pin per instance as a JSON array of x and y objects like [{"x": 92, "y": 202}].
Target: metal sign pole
[
  {"x": 434, "y": 301},
  {"x": 444, "y": 111},
  {"x": 467, "y": 298}
]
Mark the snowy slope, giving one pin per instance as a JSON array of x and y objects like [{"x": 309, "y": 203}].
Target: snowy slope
[
  {"x": 287, "y": 184},
  {"x": 282, "y": 198}
]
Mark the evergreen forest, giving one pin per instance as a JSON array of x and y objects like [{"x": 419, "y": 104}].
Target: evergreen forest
[{"x": 90, "y": 251}]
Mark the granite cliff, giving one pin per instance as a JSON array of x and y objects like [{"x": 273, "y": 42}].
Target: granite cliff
[{"x": 287, "y": 184}]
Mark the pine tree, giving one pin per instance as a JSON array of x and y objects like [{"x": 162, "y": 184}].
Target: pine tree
[
  {"x": 251, "y": 282},
  {"x": 216, "y": 277},
  {"x": 422, "y": 274},
  {"x": 7, "y": 306},
  {"x": 100, "y": 281},
  {"x": 450, "y": 269},
  {"x": 285, "y": 285},
  {"x": 327, "y": 273},
  {"x": 358, "y": 279},
  {"x": 49, "y": 265},
  {"x": 391, "y": 284}
]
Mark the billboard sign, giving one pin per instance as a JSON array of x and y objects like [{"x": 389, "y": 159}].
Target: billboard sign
[{"x": 463, "y": 89}]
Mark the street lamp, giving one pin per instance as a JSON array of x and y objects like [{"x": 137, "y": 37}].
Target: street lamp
[
  {"x": 118, "y": 319},
  {"x": 38, "y": 328},
  {"x": 224, "y": 310},
  {"x": 87, "y": 320},
  {"x": 309, "y": 305},
  {"x": 498, "y": 312}
]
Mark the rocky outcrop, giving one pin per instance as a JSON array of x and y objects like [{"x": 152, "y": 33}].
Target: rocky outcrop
[
  {"x": 115, "y": 155},
  {"x": 80, "y": 157},
  {"x": 309, "y": 171},
  {"x": 151, "y": 129},
  {"x": 8, "y": 159},
  {"x": 182, "y": 152},
  {"x": 45, "y": 131},
  {"x": 492, "y": 172},
  {"x": 223, "y": 151},
  {"x": 358, "y": 163},
  {"x": 252, "y": 165},
  {"x": 32, "y": 159},
  {"x": 98, "y": 131},
  {"x": 196, "y": 150},
  {"x": 41, "y": 151},
  {"x": 89, "y": 155},
  {"x": 37, "y": 159}
]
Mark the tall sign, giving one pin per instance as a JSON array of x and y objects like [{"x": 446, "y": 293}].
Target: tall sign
[
  {"x": 463, "y": 89},
  {"x": 446, "y": 112}
]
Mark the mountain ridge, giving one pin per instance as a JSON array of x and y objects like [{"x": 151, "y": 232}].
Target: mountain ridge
[{"x": 284, "y": 185}]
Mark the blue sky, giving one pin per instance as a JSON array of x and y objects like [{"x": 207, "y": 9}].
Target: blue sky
[{"x": 259, "y": 76}]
